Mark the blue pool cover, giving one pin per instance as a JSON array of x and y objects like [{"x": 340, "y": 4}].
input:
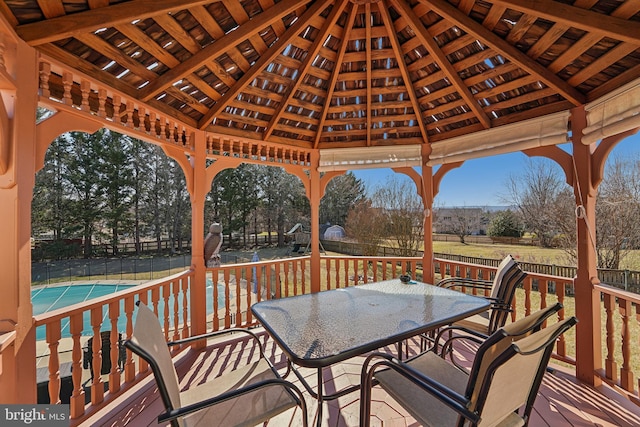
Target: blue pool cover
[{"x": 48, "y": 298}]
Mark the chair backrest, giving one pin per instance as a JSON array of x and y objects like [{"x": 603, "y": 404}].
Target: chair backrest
[
  {"x": 149, "y": 343},
  {"x": 509, "y": 367},
  {"x": 504, "y": 266},
  {"x": 503, "y": 291}
]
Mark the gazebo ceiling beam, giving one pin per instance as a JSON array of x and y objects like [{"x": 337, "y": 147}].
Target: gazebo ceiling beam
[
  {"x": 266, "y": 58},
  {"x": 336, "y": 11},
  {"x": 218, "y": 47},
  {"x": 442, "y": 61},
  {"x": 62, "y": 27},
  {"x": 469, "y": 25},
  {"x": 395, "y": 43},
  {"x": 586, "y": 20},
  {"x": 336, "y": 71}
]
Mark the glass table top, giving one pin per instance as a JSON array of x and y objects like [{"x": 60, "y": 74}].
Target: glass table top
[{"x": 321, "y": 329}]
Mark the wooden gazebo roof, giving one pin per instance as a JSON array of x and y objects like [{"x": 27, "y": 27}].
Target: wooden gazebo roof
[{"x": 346, "y": 73}]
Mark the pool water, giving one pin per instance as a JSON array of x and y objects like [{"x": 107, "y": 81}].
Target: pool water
[{"x": 48, "y": 298}]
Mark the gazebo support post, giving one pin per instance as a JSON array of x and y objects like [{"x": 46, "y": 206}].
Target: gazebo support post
[
  {"x": 314, "y": 201},
  {"x": 198, "y": 192},
  {"x": 587, "y": 299},
  {"x": 17, "y": 179},
  {"x": 428, "y": 269}
]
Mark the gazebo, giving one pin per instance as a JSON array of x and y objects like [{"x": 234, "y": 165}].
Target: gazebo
[{"x": 316, "y": 87}]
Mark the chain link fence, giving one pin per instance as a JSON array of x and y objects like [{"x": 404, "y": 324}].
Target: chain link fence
[{"x": 124, "y": 268}]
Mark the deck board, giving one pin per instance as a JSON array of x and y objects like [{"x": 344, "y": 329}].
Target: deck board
[{"x": 562, "y": 401}]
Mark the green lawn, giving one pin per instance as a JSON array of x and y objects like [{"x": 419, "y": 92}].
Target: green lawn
[{"x": 523, "y": 253}]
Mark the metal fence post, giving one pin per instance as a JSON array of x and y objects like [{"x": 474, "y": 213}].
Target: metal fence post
[{"x": 626, "y": 280}]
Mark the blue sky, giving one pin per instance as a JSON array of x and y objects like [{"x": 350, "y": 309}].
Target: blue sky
[{"x": 482, "y": 182}]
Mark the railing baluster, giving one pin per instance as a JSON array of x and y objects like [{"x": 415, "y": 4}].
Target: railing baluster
[
  {"x": 543, "y": 287},
  {"x": 561, "y": 346},
  {"x": 129, "y": 366},
  {"x": 238, "y": 298},
  {"x": 77, "y": 400},
  {"x": 227, "y": 302},
  {"x": 175, "y": 293},
  {"x": 248, "y": 274},
  {"x": 611, "y": 367},
  {"x": 53, "y": 340},
  {"x": 528, "y": 282},
  {"x": 303, "y": 275},
  {"x": 116, "y": 341},
  {"x": 166, "y": 316},
  {"x": 626, "y": 375},
  {"x": 97, "y": 387}
]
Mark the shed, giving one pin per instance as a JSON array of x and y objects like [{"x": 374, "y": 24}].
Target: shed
[{"x": 335, "y": 232}]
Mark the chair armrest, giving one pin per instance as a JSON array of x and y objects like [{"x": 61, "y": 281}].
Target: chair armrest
[
  {"x": 498, "y": 304},
  {"x": 189, "y": 409},
  {"x": 220, "y": 333},
  {"x": 474, "y": 336},
  {"x": 461, "y": 281},
  {"x": 447, "y": 396},
  {"x": 211, "y": 335}
]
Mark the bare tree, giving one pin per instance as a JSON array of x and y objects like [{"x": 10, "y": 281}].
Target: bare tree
[
  {"x": 537, "y": 194},
  {"x": 617, "y": 212},
  {"x": 553, "y": 215},
  {"x": 365, "y": 224},
  {"x": 462, "y": 222},
  {"x": 404, "y": 213}
]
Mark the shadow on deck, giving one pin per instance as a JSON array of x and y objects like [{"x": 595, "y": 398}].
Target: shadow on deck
[{"x": 562, "y": 401}]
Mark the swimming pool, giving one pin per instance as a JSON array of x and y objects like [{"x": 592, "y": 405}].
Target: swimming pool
[{"x": 48, "y": 298}]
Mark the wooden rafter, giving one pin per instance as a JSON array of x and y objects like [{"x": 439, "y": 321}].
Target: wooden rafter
[
  {"x": 62, "y": 27},
  {"x": 587, "y": 41},
  {"x": 586, "y": 20},
  {"x": 265, "y": 59},
  {"x": 239, "y": 15},
  {"x": 52, "y": 8},
  {"x": 336, "y": 71},
  {"x": 331, "y": 20},
  {"x": 188, "y": 42},
  {"x": 442, "y": 61},
  {"x": 112, "y": 52},
  {"x": 469, "y": 25},
  {"x": 140, "y": 38},
  {"x": 94, "y": 4},
  {"x": 611, "y": 84},
  {"x": 386, "y": 18},
  {"x": 205, "y": 19},
  {"x": 218, "y": 47},
  {"x": 611, "y": 57}
]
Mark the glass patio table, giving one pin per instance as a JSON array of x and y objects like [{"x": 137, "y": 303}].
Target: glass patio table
[{"x": 321, "y": 329}]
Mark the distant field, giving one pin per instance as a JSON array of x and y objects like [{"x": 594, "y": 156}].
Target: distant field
[{"x": 522, "y": 253}]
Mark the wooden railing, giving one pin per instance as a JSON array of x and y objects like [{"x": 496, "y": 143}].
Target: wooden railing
[
  {"x": 621, "y": 333},
  {"x": 233, "y": 288},
  {"x": 238, "y": 286},
  {"x": 538, "y": 291},
  {"x": 168, "y": 298},
  {"x": 343, "y": 271}
]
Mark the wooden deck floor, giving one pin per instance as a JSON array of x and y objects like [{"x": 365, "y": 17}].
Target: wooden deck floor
[{"x": 562, "y": 400}]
